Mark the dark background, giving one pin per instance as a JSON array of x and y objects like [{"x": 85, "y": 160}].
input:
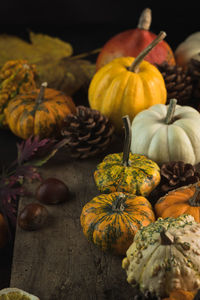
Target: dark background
[{"x": 89, "y": 24}]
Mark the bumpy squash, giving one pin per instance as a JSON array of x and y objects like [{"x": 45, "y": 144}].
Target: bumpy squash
[
  {"x": 167, "y": 133},
  {"x": 165, "y": 256},
  {"x": 184, "y": 200},
  {"x": 131, "y": 42},
  {"x": 110, "y": 221},
  {"x": 126, "y": 86},
  {"x": 127, "y": 172},
  {"x": 39, "y": 112},
  {"x": 16, "y": 77}
]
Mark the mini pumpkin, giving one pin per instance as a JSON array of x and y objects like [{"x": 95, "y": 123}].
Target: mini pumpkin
[
  {"x": 39, "y": 112},
  {"x": 16, "y": 77},
  {"x": 188, "y": 49},
  {"x": 110, "y": 221},
  {"x": 165, "y": 256},
  {"x": 167, "y": 133},
  {"x": 126, "y": 86},
  {"x": 184, "y": 200},
  {"x": 126, "y": 172},
  {"x": 131, "y": 42}
]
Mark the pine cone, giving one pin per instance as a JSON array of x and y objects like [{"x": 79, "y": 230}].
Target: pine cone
[
  {"x": 174, "y": 175},
  {"x": 178, "y": 83},
  {"x": 177, "y": 174},
  {"x": 88, "y": 132},
  {"x": 194, "y": 71}
]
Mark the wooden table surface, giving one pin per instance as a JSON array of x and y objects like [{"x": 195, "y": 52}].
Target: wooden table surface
[{"x": 57, "y": 262}]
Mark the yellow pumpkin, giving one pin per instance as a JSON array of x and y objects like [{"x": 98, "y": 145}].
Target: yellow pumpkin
[{"x": 126, "y": 86}]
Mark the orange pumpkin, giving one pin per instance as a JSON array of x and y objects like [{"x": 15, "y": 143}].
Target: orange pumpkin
[
  {"x": 110, "y": 221},
  {"x": 184, "y": 200},
  {"x": 39, "y": 112}
]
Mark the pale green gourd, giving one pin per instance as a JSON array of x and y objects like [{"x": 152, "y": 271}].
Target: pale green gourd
[{"x": 165, "y": 256}]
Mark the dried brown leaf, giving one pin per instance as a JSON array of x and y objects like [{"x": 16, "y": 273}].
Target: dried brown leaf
[
  {"x": 50, "y": 46},
  {"x": 52, "y": 58}
]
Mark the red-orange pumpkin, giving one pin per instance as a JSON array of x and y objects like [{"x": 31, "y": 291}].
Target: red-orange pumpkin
[{"x": 134, "y": 41}]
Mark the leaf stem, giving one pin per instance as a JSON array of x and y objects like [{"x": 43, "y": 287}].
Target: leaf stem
[{"x": 82, "y": 55}]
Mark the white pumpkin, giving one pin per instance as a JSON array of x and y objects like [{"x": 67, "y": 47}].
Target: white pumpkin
[
  {"x": 165, "y": 256},
  {"x": 166, "y": 133},
  {"x": 188, "y": 49}
]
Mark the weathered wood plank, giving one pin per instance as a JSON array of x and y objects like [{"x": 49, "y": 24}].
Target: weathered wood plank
[{"x": 57, "y": 262}]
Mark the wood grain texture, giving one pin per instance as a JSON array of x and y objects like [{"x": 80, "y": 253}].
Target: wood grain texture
[{"x": 57, "y": 262}]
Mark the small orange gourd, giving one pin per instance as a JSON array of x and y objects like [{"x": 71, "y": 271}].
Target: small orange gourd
[
  {"x": 39, "y": 112},
  {"x": 110, "y": 221},
  {"x": 184, "y": 200}
]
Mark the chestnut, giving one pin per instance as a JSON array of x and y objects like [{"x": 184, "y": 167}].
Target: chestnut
[
  {"x": 52, "y": 191},
  {"x": 32, "y": 216}
]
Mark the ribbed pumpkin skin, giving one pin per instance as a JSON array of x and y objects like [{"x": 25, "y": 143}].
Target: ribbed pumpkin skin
[
  {"x": 114, "y": 230},
  {"x": 140, "y": 178},
  {"x": 175, "y": 203},
  {"x": 16, "y": 77},
  {"x": 161, "y": 142},
  {"x": 25, "y": 117},
  {"x": 117, "y": 92}
]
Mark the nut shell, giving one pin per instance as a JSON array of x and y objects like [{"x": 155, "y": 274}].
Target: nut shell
[
  {"x": 52, "y": 191},
  {"x": 32, "y": 217}
]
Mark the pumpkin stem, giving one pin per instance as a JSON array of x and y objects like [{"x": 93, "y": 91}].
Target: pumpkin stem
[
  {"x": 127, "y": 142},
  {"x": 118, "y": 204},
  {"x": 195, "y": 199},
  {"x": 40, "y": 96},
  {"x": 170, "y": 111},
  {"x": 166, "y": 237},
  {"x": 137, "y": 61},
  {"x": 145, "y": 19}
]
